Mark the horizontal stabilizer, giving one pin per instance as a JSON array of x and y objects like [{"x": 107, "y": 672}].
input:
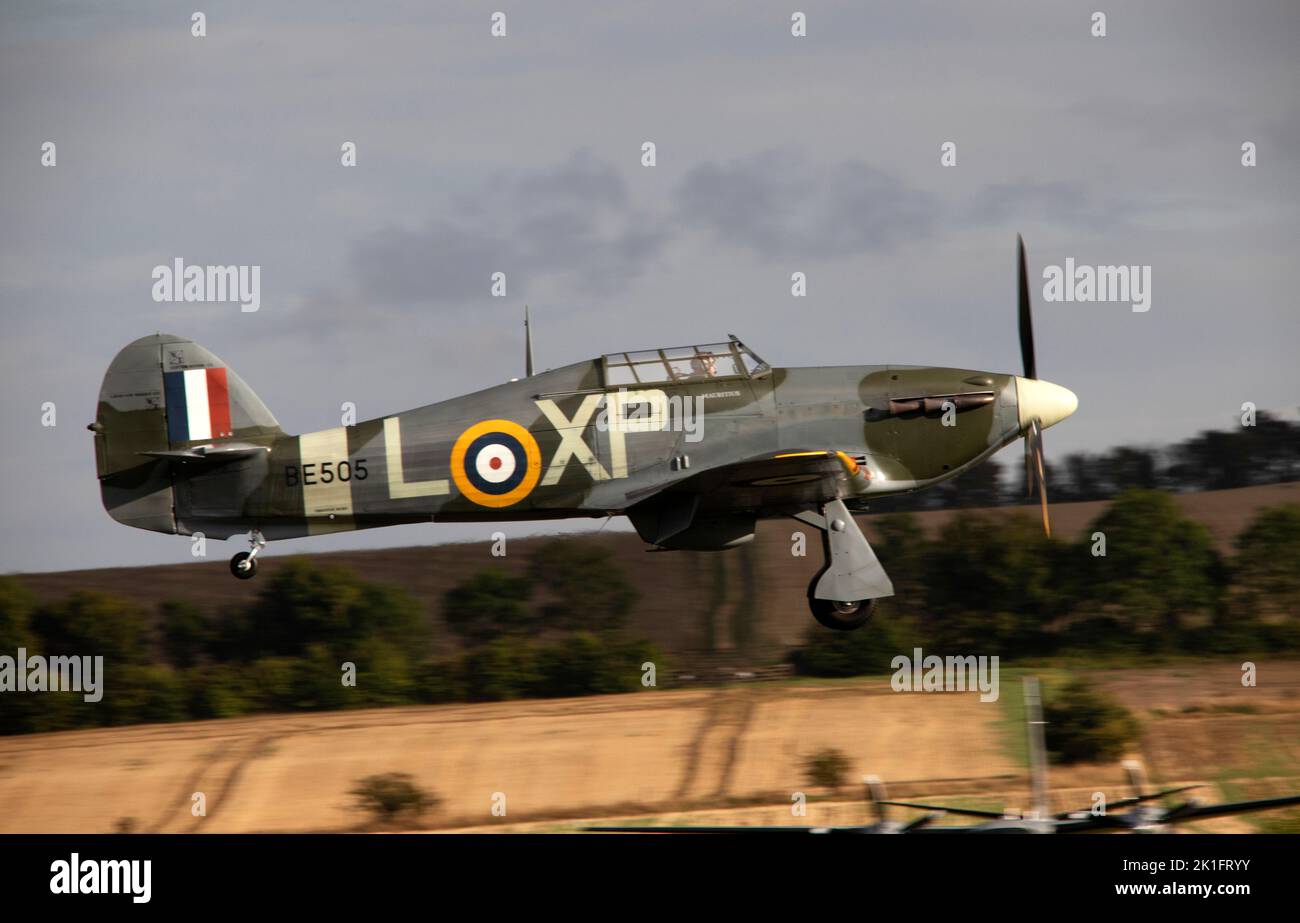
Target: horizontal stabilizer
[{"x": 210, "y": 454}]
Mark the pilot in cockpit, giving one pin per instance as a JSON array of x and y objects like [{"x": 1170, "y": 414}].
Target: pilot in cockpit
[{"x": 704, "y": 365}]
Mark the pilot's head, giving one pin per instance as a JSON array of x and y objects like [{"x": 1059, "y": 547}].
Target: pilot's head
[{"x": 705, "y": 364}]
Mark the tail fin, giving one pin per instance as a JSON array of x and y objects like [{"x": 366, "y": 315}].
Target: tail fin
[{"x": 164, "y": 393}]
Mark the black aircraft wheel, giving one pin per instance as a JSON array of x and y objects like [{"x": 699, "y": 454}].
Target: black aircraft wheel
[
  {"x": 841, "y": 616},
  {"x": 243, "y": 566}
]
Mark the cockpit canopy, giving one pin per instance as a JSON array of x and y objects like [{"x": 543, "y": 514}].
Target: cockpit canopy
[{"x": 732, "y": 359}]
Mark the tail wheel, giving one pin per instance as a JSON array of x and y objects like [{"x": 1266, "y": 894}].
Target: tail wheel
[
  {"x": 243, "y": 566},
  {"x": 841, "y": 616}
]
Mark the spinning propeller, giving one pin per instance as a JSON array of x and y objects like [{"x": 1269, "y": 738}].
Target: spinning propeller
[{"x": 1041, "y": 403}]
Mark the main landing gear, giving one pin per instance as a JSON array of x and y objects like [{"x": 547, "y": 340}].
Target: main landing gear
[
  {"x": 843, "y": 595},
  {"x": 840, "y": 616},
  {"x": 244, "y": 564}
]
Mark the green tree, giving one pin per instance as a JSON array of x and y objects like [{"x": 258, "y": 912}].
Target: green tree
[
  {"x": 991, "y": 582},
  {"x": 16, "y": 607},
  {"x": 272, "y": 684},
  {"x": 1264, "y": 605},
  {"x": 384, "y": 674},
  {"x": 302, "y": 605},
  {"x": 581, "y": 584},
  {"x": 901, "y": 545},
  {"x": 504, "y": 668},
  {"x": 95, "y": 624},
  {"x": 139, "y": 694},
  {"x": 438, "y": 681},
  {"x": 25, "y": 713},
  {"x": 320, "y": 679},
  {"x": 1266, "y": 567},
  {"x": 188, "y": 634},
  {"x": 214, "y": 691},
  {"x": 488, "y": 605},
  {"x": 585, "y": 663},
  {"x": 1160, "y": 567}
]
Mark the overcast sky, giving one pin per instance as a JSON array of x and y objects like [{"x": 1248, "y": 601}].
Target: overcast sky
[{"x": 523, "y": 154}]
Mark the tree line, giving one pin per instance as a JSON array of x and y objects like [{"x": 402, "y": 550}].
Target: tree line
[
  {"x": 1266, "y": 453},
  {"x": 1142, "y": 580},
  {"x": 290, "y": 648}
]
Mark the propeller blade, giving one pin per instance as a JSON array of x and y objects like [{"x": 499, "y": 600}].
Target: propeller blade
[
  {"x": 1131, "y": 800},
  {"x": 1035, "y": 469},
  {"x": 1026, "y": 321},
  {"x": 710, "y": 830},
  {"x": 1042, "y": 477},
  {"x": 1029, "y": 467},
  {"x": 923, "y": 821},
  {"x": 964, "y": 812},
  {"x": 1193, "y": 811},
  {"x": 1152, "y": 796}
]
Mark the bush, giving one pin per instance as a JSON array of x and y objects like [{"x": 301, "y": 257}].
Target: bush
[
  {"x": 1085, "y": 724},
  {"x": 384, "y": 674},
  {"x": 95, "y": 624},
  {"x": 393, "y": 799},
  {"x": 501, "y": 669},
  {"x": 303, "y": 606},
  {"x": 488, "y": 605},
  {"x": 188, "y": 633},
  {"x": 272, "y": 684},
  {"x": 869, "y": 649},
  {"x": 139, "y": 695},
  {"x": 588, "y": 664},
  {"x": 438, "y": 681},
  {"x": 581, "y": 585},
  {"x": 211, "y": 692},
  {"x": 827, "y": 768}
]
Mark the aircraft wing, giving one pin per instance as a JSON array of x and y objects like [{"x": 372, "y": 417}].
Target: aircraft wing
[{"x": 794, "y": 477}]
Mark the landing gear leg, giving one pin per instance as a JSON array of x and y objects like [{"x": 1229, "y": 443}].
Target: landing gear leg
[
  {"x": 244, "y": 564},
  {"x": 843, "y": 594}
]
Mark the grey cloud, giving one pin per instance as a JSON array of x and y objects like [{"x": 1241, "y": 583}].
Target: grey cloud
[
  {"x": 777, "y": 203},
  {"x": 572, "y": 222},
  {"x": 576, "y": 223},
  {"x": 1072, "y": 204}
]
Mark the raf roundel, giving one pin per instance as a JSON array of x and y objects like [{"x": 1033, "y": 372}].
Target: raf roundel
[{"x": 496, "y": 463}]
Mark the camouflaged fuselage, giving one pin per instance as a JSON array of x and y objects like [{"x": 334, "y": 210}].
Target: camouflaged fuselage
[{"x": 558, "y": 444}]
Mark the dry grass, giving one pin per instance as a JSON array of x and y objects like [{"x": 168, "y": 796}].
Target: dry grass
[{"x": 728, "y": 755}]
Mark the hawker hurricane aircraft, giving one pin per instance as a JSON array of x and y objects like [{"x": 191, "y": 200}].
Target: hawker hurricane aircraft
[{"x": 693, "y": 444}]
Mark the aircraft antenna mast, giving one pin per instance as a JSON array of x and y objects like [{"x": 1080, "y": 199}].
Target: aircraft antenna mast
[{"x": 528, "y": 346}]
